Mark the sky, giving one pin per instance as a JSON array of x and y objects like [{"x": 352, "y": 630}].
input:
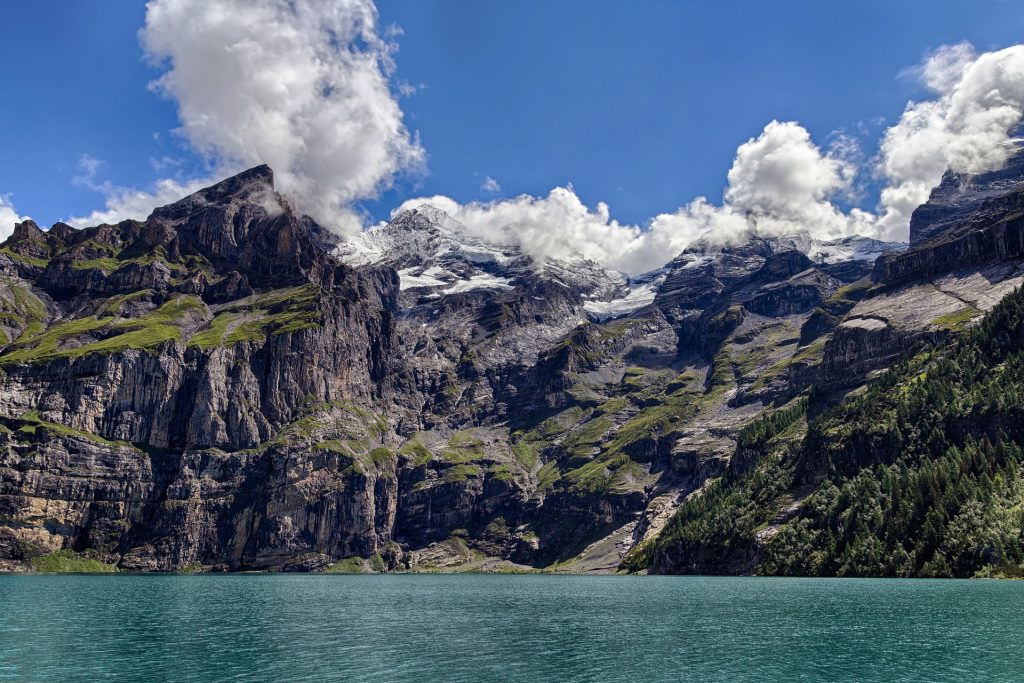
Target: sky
[{"x": 616, "y": 131}]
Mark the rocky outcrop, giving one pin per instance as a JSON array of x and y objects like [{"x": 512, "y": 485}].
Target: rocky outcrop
[
  {"x": 211, "y": 388},
  {"x": 967, "y": 251},
  {"x": 155, "y": 382},
  {"x": 961, "y": 198},
  {"x": 995, "y": 233}
]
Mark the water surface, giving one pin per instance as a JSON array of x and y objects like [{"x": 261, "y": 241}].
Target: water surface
[{"x": 506, "y": 628}]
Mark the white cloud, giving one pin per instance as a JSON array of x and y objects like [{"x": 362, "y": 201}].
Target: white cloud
[
  {"x": 407, "y": 89},
  {"x": 165, "y": 162},
  {"x": 122, "y": 203},
  {"x": 8, "y": 217},
  {"x": 558, "y": 225},
  {"x": 783, "y": 173},
  {"x": 307, "y": 88},
  {"x": 89, "y": 167},
  {"x": 303, "y": 87},
  {"x": 965, "y": 128},
  {"x": 780, "y": 183},
  {"x": 784, "y": 183}
]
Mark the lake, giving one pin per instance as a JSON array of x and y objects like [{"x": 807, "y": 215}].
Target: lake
[{"x": 506, "y": 628}]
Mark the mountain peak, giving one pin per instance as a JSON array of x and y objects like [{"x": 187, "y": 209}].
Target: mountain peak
[
  {"x": 958, "y": 195},
  {"x": 254, "y": 186},
  {"x": 26, "y": 230},
  {"x": 415, "y": 235},
  {"x": 243, "y": 223},
  {"x": 258, "y": 178},
  {"x": 425, "y": 217}
]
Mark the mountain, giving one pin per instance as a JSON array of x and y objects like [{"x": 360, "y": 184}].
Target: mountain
[
  {"x": 915, "y": 474},
  {"x": 453, "y": 287},
  {"x": 919, "y": 476},
  {"x": 435, "y": 254},
  {"x": 224, "y": 386}
]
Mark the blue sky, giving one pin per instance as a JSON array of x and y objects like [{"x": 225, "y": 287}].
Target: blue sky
[
  {"x": 640, "y": 105},
  {"x": 654, "y": 97}
]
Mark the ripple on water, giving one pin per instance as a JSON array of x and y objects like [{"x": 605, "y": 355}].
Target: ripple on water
[{"x": 508, "y": 628}]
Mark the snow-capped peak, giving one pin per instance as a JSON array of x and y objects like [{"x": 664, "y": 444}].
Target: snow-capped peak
[
  {"x": 414, "y": 237},
  {"x": 435, "y": 254}
]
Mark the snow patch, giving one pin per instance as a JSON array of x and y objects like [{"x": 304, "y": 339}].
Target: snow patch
[
  {"x": 641, "y": 293},
  {"x": 408, "y": 279},
  {"x": 851, "y": 249},
  {"x": 479, "y": 281}
]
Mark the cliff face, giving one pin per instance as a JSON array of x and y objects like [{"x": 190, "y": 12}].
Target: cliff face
[
  {"x": 966, "y": 254},
  {"x": 211, "y": 388},
  {"x": 919, "y": 475},
  {"x": 161, "y": 381},
  {"x": 963, "y": 197},
  {"x": 151, "y": 333}
]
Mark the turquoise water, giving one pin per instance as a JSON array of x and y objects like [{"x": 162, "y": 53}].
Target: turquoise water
[{"x": 506, "y": 628}]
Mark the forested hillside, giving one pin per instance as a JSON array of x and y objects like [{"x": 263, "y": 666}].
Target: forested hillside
[{"x": 917, "y": 476}]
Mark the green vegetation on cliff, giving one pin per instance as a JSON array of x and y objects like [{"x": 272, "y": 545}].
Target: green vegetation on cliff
[
  {"x": 109, "y": 259},
  {"x": 713, "y": 531},
  {"x": 25, "y": 258},
  {"x": 92, "y": 334},
  {"x": 70, "y": 562},
  {"x": 30, "y": 423},
  {"x": 254, "y": 318}
]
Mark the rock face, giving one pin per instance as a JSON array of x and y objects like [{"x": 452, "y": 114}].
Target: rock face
[
  {"x": 966, "y": 254},
  {"x": 154, "y": 372},
  {"x": 223, "y": 386},
  {"x": 962, "y": 197}
]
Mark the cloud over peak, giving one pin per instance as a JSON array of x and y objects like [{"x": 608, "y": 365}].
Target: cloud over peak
[
  {"x": 780, "y": 182},
  {"x": 302, "y": 86},
  {"x": 307, "y": 87},
  {"x": 978, "y": 100}
]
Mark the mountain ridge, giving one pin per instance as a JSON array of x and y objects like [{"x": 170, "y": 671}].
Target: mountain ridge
[{"x": 214, "y": 388}]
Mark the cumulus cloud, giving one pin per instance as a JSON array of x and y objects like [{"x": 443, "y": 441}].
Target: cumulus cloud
[
  {"x": 559, "y": 225},
  {"x": 122, "y": 203},
  {"x": 978, "y": 100},
  {"x": 784, "y": 183},
  {"x": 8, "y": 217},
  {"x": 307, "y": 87},
  {"x": 304, "y": 87},
  {"x": 780, "y": 183},
  {"x": 301, "y": 86}
]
